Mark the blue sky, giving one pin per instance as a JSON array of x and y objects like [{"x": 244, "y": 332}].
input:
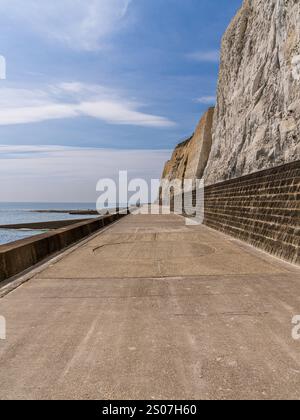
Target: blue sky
[{"x": 102, "y": 75}]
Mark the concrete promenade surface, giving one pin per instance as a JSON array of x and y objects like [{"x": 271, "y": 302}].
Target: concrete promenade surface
[{"x": 151, "y": 308}]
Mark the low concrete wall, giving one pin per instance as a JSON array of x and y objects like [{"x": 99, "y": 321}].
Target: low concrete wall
[
  {"x": 262, "y": 209},
  {"x": 21, "y": 255},
  {"x": 55, "y": 224}
]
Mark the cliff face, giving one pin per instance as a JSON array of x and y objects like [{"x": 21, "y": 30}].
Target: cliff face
[
  {"x": 257, "y": 117},
  {"x": 256, "y": 122},
  {"x": 189, "y": 159}
]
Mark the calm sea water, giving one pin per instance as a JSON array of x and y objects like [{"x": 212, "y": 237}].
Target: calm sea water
[{"x": 14, "y": 213}]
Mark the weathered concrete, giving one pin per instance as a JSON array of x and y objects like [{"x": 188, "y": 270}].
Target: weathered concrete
[
  {"x": 152, "y": 308},
  {"x": 18, "y": 256},
  {"x": 55, "y": 224}
]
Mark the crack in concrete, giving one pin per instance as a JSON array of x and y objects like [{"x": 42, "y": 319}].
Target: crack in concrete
[{"x": 116, "y": 243}]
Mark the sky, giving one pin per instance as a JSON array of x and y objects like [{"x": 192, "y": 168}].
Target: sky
[{"x": 97, "y": 86}]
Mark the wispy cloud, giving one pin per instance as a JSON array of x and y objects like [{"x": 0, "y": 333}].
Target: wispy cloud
[
  {"x": 80, "y": 24},
  {"x": 72, "y": 100},
  {"x": 212, "y": 56},
  {"x": 57, "y": 173},
  {"x": 206, "y": 100}
]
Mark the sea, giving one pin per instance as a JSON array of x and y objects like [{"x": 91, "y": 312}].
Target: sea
[{"x": 16, "y": 213}]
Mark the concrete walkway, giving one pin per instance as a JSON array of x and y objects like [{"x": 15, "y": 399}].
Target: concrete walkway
[{"x": 152, "y": 308}]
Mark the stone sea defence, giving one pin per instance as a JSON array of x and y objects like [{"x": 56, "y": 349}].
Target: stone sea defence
[{"x": 262, "y": 209}]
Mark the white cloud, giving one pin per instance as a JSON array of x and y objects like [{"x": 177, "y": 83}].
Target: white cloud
[
  {"x": 206, "y": 100},
  {"x": 27, "y": 172},
  {"x": 80, "y": 24},
  {"x": 212, "y": 56},
  {"x": 71, "y": 100}
]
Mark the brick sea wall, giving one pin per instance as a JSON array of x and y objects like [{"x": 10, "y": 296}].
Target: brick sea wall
[{"x": 262, "y": 209}]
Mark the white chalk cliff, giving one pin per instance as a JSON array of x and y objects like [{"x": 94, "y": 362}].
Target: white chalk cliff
[
  {"x": 257, "y": 117},
  {"x": 256, "y": 122}
]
